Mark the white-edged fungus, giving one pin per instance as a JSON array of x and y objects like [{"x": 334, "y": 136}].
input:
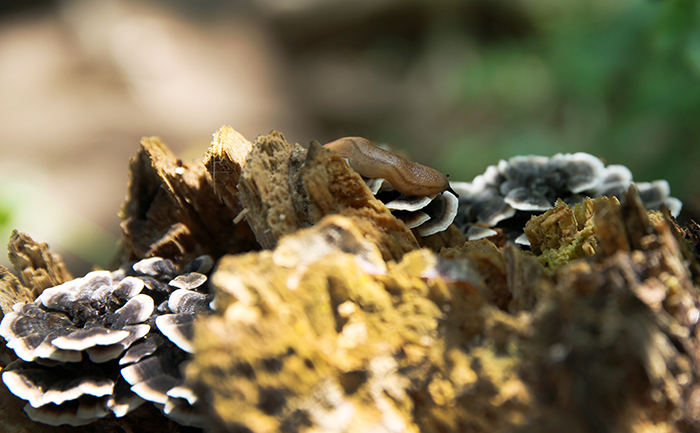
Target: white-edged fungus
[
  {"x": 415, "y": 219},
  {"x": 202, "y": 264},
  {"x": 90, "y": 347},
  {"x": 52, "y": 414},
  {"x": 477, "y": 232},
  {"x": 408, "y": 203},
  {"x": 152, "y": 377},
  {"x": 85, "y": 338},
  {"x": 189, "y": 281},
  {"x": 508, "y": 193},
  {"x": 142, "y": 349},
  {"x": 155, "y": 267},
  {"x": 442, "y": 210},
  {"x": 188, "y": 301},
  {"x": 179, "y": 328},
  {"x": 183, "y": 412},
  {"x": 41, "y": 385}
]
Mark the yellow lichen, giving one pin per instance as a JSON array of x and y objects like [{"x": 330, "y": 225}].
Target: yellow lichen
[{"x": 361, "y": 334}]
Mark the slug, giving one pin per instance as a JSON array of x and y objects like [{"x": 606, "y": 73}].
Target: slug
[{"x": 406, "y": 177}]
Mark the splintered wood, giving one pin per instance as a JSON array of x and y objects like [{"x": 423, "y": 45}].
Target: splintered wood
[
  {"x": 173, "y": 210},
  {"x": 38, "y": 268},
  {"x": 224, "y": 161},
  {"x": 284, "y": 188},
  {"x": 243, "y": 196}
]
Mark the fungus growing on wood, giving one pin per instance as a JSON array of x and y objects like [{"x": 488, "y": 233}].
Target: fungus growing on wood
[
  {"x": 507, "y": 194},
  {"x": 185, "y": 305},
  {"x": 92, "y": 347}
]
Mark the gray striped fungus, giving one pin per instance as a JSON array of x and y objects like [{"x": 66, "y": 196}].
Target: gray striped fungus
[{"x": 406, "y": 177}]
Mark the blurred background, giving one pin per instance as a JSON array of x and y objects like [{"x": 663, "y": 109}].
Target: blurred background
[{"x": 457, "y": 84}]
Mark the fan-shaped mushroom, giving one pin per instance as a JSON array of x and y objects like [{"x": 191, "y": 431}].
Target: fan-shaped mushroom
[{"x": 508, "y": 193}]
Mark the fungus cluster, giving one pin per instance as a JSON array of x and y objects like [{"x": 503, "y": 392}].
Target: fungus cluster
[
  {"x": 427, "y": 214},
  {"x": 107, "y": 342},
  {"x": 507, "y": 194}
]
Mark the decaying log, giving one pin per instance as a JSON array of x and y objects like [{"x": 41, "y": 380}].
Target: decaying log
[
  {"x": 270, "y": 188},
  {"x": 565, "y": 233},
  {"x": 173, "y": 211},
  {"x": 224, "y": 160},
  {"x": 347, "y": 321},
  {"x": 333, "y": 338},
  {"x": 284, "y": 188},
  {"x": 37, "y": 267},
  {"x": 12, "y": 291},
  {"x": 615, "y": 347},
  {"x": 479, "y": 338}
]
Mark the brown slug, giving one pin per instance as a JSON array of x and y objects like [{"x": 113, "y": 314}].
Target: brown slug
[{"x": 406, "y": 177}]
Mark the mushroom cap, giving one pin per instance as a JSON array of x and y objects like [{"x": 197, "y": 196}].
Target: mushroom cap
[
  {"x": 202, "y": 264},
  {"x": 41, "y": 385},
  {"x": 188, "y": 301},
  {"x": 156, "y": 286},
  {"x": 183, "y": 412},
  {"x": 442, "y": 212},
  {"x": 157, "y": 378},
  {"x": 99, "y": 354},
  {"x": 185, "y": 393},
  {"x": 409, "y": 203},
  {"x": 616, "y": 176},
  {"x": 522, "y": 240},
  {"x": 89, "y": 295},
  {"x": 83, "y": 338},
  {"x": 142, "y": 349},
  {"x": 521, "y": 198},
  {"x": 155, "y": 267},
  {"x": 152, "y": 377},
  {"x": 414, "y": 219},
  {"x": 178, "y": 328},
  {"x": 190, "y": 280},
  {"x": 75, "y": 415},
  {"x": 76, "y": 316},
  {"x": 480, "y": 201},
  {"x": 376, "y": 184},
  {"x": 29, "y": 331},
  {"x": 581, "y": 170},
  {"x": 477, "y": 232},
  {"x": 429, "y": 214},
  {"x": 123, "y": 400}
]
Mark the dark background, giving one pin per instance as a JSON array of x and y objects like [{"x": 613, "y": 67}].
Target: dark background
[{"x": 457, "y": 84}]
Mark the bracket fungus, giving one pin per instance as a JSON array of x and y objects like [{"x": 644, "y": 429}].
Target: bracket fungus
[
  {"x": 507, "y": 194},
  {"x": 185, "y": 305},
  {"x": 91, "y": 346},
  {"x": 88, "y": 314}
]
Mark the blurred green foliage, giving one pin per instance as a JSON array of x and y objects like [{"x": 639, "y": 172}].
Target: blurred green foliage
[
  {"x": 616, "y": 78},
  {"x": 5, "y": 217}
]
